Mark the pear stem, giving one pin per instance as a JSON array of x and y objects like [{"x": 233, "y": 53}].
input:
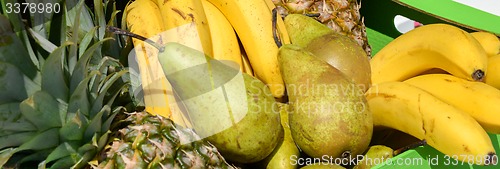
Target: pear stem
[
  {"x": 133, "y": 35},
  {"x": 312, "y": 14},
  {"x": 277, "y": 39},
  {"x": 408, "y": 147}
]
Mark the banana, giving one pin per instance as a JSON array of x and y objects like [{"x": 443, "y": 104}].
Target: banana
[
  {"x": 247, "y": 68},
  {"x": 493, "y": 76},
  {"x": 489, "y": 42},
  {"x": 403, "y": 107},
  {"x": 186, "y": 23},
  {"x": 158, "y": 98},
  {"x": 478, "y": 99},
  {"x": 253, "y": 24},
  {"x": 140, "y": 13},
  {"x": 280, "y": 24},
  {"x": 225, "y": 43},
  {"x": 430, "y": 46}
]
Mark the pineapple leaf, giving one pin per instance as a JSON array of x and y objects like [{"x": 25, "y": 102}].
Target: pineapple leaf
[
  {"x": 53, "y": 75},
  {"x": 12, "y": 84},
  {"x": 72, "y": 57},
  {"x": 16, "y": 127},
  {"x": 44, "y": 140},
  {"x": 19, "y": 28},
  {"x": 84, "y": 160},
  {"x": 65, "y": 162},
  {"x": 84, "y": 44},
  {"x": 42, "y": 165},
  {"x": 57, "y": 30},
  {"x": 100, "y": 18},
  {"x": 9, "y": 112},
  {"x": 103, "y": 140},
  {"x": 63, "y": 150},
  {"x": 98, "y": 103},
  {"x": 36, "y": 156},
  {"x": 44, "y": 43},
  {"x": 86, "y": 22},
  {"x": 5, "y": 155},
  {"x": 107, "y": 124},
  {"x": 16, "y": 54},
  {"x": 79, "y": 100},
  {"x": 15, "y": 139},
  {"x": 73, "y": 128},
  {"x": 42, "y": 110},
  {"x": 135, "y": 80},
  {"x": 112, "y": 48},
  {"x": 96, "y": 123},
  {"x": 82, "y": 65}
]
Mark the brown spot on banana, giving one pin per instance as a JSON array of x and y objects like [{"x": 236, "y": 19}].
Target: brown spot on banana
[
  {"x": 466, "y": 148},
  {"x": 180, "y": 13}
]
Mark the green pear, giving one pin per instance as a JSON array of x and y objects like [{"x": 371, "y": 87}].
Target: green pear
[
  {"x": 344, "y": 54},
  {"x": 338, "y": 50},
  {"x": 376, "y": 154},
  {"x": 232, "y": 110},
  {"x": 329, "y": 112},
  {"x": 281, "y": 158},
  {"x": 303, "y": 29}
]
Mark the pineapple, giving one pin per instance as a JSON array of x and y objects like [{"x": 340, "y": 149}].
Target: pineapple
[
  {"x": 150, "y": 141},
  {"x": 340, "y": 15}
]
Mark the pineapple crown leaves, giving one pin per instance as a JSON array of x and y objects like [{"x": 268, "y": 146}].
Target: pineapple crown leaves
[
  {"x": 53, "y": 119},
  {"x": 64, "y": 104}
]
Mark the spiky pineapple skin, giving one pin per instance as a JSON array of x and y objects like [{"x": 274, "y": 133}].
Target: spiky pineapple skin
[
  {"x": 151, "y": 141},
  {"x": 341, "y": 16}
]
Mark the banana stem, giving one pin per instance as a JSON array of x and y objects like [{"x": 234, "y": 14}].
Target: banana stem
[
  {"x": 277, "y": 39},
  {"x": 408, "y": 147},
  {"x": 133, "y": 35}
]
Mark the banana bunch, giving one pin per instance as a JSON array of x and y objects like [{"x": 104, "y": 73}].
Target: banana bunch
[
  {"x": 238, "y": 32},
  {"x": 454, "y": 108}
]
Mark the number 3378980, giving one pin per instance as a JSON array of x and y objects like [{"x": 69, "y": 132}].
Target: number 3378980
[{"x": 33, "y": 8}]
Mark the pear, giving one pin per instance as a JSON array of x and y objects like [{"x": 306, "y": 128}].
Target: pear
[
  {"x": 303, "y": 29},
  {"x": 344, "y": 54},
  {"x": 376, "y": 154},
  {"x": 329, "y": 112},
  {"x": 232, "y": 110},
  {"x": 338, "y": 50},
  {"x": 281, "y": 158}
]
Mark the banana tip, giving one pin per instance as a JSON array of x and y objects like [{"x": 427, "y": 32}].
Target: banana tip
[
  {"x": 493, "y": 159},
  {"x": 478, "y": 75}
]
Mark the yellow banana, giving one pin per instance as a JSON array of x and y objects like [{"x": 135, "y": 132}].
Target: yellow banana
[
  {"x": 493, "y": 76},
  {"x": 403, "y": 107},
  {"x": 253, "y": 24},
  {"x": 140, "y": 13},
  {"x": 478, "y": 99},
  {"x": 158, "y": 98},
  {"x": 247, "y": 68},
  {"x": 430, "y": 46},
  {"x": 224, "y": 42},
  {"x": 186, "y": 23},
  {"x": 489, "y": 42}
]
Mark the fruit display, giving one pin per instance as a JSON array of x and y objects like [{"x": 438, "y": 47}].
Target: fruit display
[{"x": 222, "y": 84}]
